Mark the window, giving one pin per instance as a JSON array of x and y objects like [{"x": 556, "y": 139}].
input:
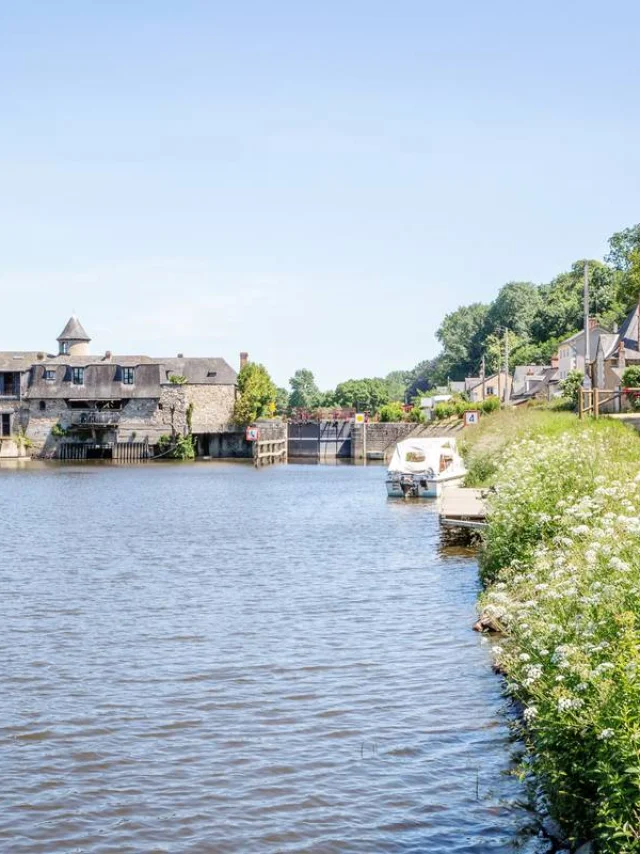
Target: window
[
  {"x": 77, "y": 376},
  {"x": 490, "y": 390},
  {"x": 64, "y": 348},
  {"x": 127, "y": 376},
  {"x": 42, "y": 405},
  {"x": 5, "y": 424},
  {"x": 49, "y": 375}
]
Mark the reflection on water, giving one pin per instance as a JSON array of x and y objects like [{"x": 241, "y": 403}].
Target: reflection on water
[{"x": 210, "y": 658}]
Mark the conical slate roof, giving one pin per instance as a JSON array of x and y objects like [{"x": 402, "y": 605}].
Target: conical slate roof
[{"x": 73, "y": 331}]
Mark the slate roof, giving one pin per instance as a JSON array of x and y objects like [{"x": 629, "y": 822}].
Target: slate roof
[
  {"x": 73, "y": 331},
  {"x": 18, "y": 360},
  {"x": 199, "y": 371},
  {"x": 609, "y": 343}
]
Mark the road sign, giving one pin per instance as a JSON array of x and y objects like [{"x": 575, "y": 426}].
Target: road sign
[
  {"x": 471, "y": 416},
  {"x": 360, "y": 418},
  {"x": 252, "y": 434}
]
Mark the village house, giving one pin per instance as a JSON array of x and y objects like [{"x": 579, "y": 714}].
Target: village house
[
  {"x": 572, "y": 351},
  {"x": 75, "y": 403},
  {"x": 617, "y": 351},
  {"x": 494, "y": 385}
]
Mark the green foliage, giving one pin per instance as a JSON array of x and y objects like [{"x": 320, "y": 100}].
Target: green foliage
[
  {"x": 481, "y": 469},
  {"x": 177, "y": 447},
  {"x": 391, "y": 412},
  {"x": 444, "y": 410},
  {"x": 461, "y": 334},
  {"x": 58, "y": 431},
  {"x": 305, "y": 394},
  {"x": 515, "y": 308},
  {"x": 490, "y": 404},
  {"x": 396, "y": 383},
  {"x": 177, "y": 379},
  {"x": 364, "y": 395},
  {"x": 562, "y": 561},
  {"x": 282, "y": 401},
  {"x": 189, "y": 417},
  {"x": 570, "y": 386},
  {"x": 22, "y": 440},
  {"x": 631, "y": 379},
  {"x": 257, "y": 394},
  {"x": 416, "y": 415}
]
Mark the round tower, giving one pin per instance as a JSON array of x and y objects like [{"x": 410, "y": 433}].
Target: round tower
[{"x": 73, "y": 340}]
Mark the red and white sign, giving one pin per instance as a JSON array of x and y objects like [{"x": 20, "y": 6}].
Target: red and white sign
[{"x": 252, "y": 434}]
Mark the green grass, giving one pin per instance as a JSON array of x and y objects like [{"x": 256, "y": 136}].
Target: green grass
[{"x": 561, "y": 565}]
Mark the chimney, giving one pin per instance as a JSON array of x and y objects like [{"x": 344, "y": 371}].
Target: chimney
[
  {"x": 244, "y": 360},
  {"x": 621, "y": 358},
  {"x": 40, "y": 357},
  {"x": 180, "y": 355},
  {"x": 107, "y": 356},
  {"x": 593, "y": 322},
  {"x": 555, "y": 360}
]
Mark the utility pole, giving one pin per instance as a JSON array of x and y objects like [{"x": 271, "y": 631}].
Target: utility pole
[
  {"x": 507, "y": 390},
  {"x": 587, "y": 331},
  {"x": 483, "y": 373}
]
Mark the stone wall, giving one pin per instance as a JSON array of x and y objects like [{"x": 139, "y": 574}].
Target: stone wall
[
  {"x": 140, "y": 419},
  {"x": 382, "y": 438}
]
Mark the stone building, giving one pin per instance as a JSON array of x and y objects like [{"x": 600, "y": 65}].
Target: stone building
[{"x": 77, "y": 403}]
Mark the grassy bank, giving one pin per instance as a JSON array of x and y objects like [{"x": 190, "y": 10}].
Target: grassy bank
[{"x": 561, "y": 565}]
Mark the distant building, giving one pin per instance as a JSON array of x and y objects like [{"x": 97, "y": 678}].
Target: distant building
[
  {"x": 571, "y": 351},
  {"x": 494, "y": 385},
  {"x": 617, "y": 351},
  {"x": 108, "y": 401}
]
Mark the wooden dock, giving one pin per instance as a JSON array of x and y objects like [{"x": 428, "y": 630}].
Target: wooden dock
[{"x": 463, "y": 508}]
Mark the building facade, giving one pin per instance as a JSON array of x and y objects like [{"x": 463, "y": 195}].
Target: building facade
[{"x": 110, "y": 402}]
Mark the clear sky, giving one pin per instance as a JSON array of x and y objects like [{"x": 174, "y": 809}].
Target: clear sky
[{"x": 316, "y": 183}]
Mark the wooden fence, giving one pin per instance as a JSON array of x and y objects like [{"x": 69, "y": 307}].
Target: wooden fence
[{"x": 592, "y": 401}]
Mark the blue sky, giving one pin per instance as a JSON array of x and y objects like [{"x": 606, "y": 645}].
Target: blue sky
[{"x": 315, "y": 183}]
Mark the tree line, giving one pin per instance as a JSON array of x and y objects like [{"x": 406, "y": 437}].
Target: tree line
[{"x": 535, "y": 319}]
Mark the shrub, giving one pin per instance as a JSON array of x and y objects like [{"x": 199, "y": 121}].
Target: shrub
[
  {"x": 391, "y": 412},
  {"x": 416, "y": 415},
  {"x": 490, "y": 404},
  {"x": 570, "y": 386},
  {"x": 631, "y": 379},
  {"x": 58, "y": 431},
  {"x": 177, "y": 448},
  {"x": 177, "y": 379},
  {"x": 481, "y": 468},
  {"x": 444, "y": 410}
]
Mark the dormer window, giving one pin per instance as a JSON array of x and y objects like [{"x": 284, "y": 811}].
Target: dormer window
[
  {"x": 64, "y": 348},
  {"x": 50, "y": 375},
  {"x": 77, "y": 376},
  {"x": 128, "y": 376}
]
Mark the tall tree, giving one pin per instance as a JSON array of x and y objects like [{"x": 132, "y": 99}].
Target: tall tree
[
  {"x": 305, "y": 393},
  {"x": 365, "y": 394},
  {"x": 461, "y": 334},
  {"x": 514, "y": 308},
  {"x": 396, "y": 383},
  {"x": 257, "y": 394}
]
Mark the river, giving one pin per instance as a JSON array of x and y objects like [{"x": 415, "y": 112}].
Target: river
[{"x": 210, "y": 658}]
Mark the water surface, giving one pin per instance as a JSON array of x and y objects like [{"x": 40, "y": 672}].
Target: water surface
[{"x": 209, "y": 658}]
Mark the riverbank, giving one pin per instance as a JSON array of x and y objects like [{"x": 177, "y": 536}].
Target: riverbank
[{"x": 561, "y": 569}]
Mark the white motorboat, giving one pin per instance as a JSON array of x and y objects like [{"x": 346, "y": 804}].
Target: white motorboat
[{"x": 420, "y": 468}]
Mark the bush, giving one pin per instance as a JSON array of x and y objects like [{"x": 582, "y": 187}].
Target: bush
[
  {"x": 490, "y": 404},
  {"x": 631, "y": 379},
  {"x": 481, "y": 468},
  {"x": 444, "y": 410},
  {"x": 570, "y": 386},
  {"x": 391, "y": 412},
  {"x": 416, "y": 415},
  {"x": 177, "y": 448}
]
